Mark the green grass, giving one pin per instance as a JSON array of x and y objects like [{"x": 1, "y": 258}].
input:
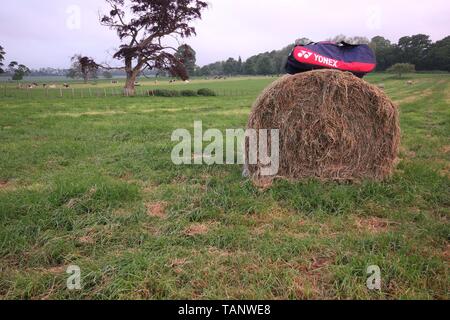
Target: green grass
[{"x": 89, "y": 181}]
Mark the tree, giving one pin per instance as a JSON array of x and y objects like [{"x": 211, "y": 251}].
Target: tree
[
  {"x": 107, "y": 75},
  {"x": 71, "y": 73},
  {"x": 188, "y": 57},
  {"x": 2, "y": 57},
  {"x": 143, "y": 27},
  {"x": 439, "y": 55},
  {"x": 249, "y": 67},
  {"x": 401, "y": 68},
  {"x": 230, "y": 67},
  {"x": 264, "y": 65},
  {"x": 302, "y": 41},
  {"x": 239, "y": 66},
  {"x": 415, "y": 49},
  {"x": 204, "y": 71},
  {"x": 84, "y": 67},
  {"x": 18, "y": 70},
  {"x": 385, "y": 51}
]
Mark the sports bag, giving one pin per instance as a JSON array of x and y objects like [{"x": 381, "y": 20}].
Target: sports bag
[{"x": 358, "y": 59}]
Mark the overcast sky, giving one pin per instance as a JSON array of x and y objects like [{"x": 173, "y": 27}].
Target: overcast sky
[{"x": 46, "y": 33}]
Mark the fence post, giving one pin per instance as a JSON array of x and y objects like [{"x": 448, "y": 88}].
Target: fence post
[
  {"x": 90, "y": 93},
  {"x": 60, "y": 92}
]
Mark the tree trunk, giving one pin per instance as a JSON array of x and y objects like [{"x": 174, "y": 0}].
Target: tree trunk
[{"x": 129, "y": 89}]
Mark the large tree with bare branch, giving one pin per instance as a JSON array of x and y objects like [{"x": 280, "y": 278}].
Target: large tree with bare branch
[{"x": 144, "y": 27}]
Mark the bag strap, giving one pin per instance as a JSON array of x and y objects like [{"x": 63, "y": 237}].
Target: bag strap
[{"x": 346, "y": 44}]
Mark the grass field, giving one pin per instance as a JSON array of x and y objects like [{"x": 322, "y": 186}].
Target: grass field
[{"x": 89, "y": 182}]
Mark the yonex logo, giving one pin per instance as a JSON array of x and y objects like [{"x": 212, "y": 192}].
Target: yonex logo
[{"x": 305, "y": 54}]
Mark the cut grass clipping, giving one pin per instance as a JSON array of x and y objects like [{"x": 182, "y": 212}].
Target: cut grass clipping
[{"x": 333, "y": 126}]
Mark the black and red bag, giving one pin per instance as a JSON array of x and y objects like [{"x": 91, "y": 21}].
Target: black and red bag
[{"x": 358, "y": 59}]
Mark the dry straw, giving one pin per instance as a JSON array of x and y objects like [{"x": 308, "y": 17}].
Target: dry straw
[{"x": 333, "y": 126}]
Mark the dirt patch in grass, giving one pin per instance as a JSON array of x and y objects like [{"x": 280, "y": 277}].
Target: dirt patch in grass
[
  {"x": 149, "y": 188},
  {"x": 4, "y": 184},
  {"x": 446, "y": 253},
  {"x": 156, "y": 209},
  {"x": 86, "y": 240},
  {"x": 445, "y": 149},
  {"x": 312, "y": 278},
  {"x": 372, "y": 225},
  {"x": 263, "y": 184},
  {"x": 446, "y": 171},
  {"x": 55, "y": 270},
  {"x": 127, "y": 176},
  {"x": 196, "y": 229},
  {"x": 275, "y": 213},
  {"x": 319, "y": 262},
  {"x": 216, "y": 252},
  {"x": 121, "y": 212},
  {"x": 178, "y": 264}
]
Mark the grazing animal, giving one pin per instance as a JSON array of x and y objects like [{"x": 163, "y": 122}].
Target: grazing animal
[
  {"x": 410, "y": 83},
  {"x": 65, "y": 85},
  {"x": 114, "y": 81},
  {"x": 44, "y": 85}
]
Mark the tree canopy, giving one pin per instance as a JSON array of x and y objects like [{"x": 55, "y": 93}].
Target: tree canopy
[
  {"x": 401, "y": 68},
  {"x": 143, "y": 27},
  {"x": 83, "y": 67},
  {"x": 18, "y": 70},
  {"x": 188, "y": 57}
]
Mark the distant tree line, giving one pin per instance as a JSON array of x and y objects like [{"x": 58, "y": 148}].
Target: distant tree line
[{"x": 418, "y": 50}]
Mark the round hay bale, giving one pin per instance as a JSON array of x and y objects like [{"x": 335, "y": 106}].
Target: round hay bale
[{"x": 332, "y": 126}]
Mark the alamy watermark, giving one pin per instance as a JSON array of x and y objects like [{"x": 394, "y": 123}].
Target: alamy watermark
[
  {"x": 73, "y": 21},
  {"x": 374, "y": 280},
  {"x": 74, "y": 280},
  {"x": 374, "y": 17},
  {"x": 248, "y": 147}
]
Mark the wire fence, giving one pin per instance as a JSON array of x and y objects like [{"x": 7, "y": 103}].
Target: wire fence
[{"x": 79, "y": 93}]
